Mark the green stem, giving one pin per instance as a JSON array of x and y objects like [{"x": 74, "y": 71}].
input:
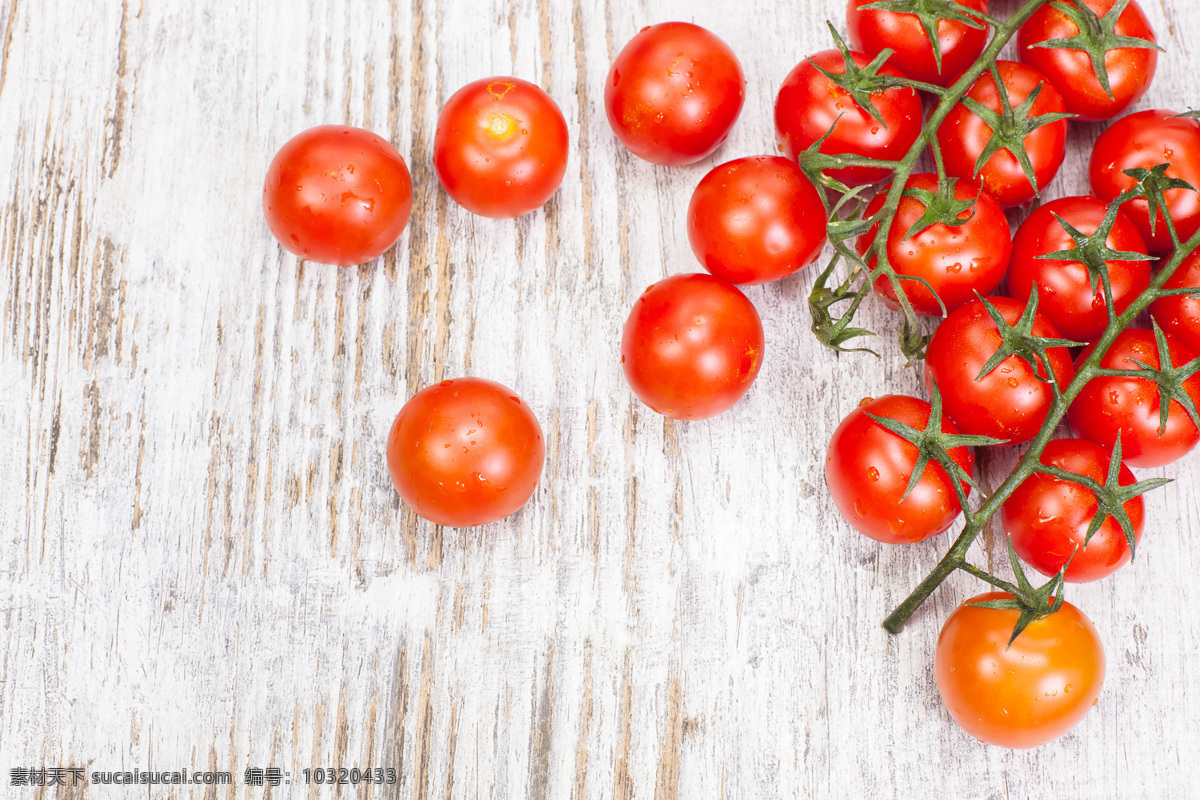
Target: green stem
[
  {"x": 956, "y": 557},
  {"x": 903, "y": 169}
]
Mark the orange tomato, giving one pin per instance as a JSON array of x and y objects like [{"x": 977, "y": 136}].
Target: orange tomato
[{"x": 1022, "y": 695}]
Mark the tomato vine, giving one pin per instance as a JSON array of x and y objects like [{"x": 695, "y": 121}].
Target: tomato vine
[{"x": 833, "y": 320}]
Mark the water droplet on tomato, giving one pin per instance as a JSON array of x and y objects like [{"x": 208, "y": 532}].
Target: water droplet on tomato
[{"x": 873, "y": 474}]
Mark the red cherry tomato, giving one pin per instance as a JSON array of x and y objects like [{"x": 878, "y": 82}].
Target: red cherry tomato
[
  {"x": 337, "y": 195},
  {"x": 692, "y": 346},
  {"x": 1047, "y": 518},
  {"x": 673, "y": 93},
  {"x": 465, "y": 452},
  {"x": 1132, "y": 405},
  {"x": 1180, "y": 316},
  {"x": 1142, "y": 141},
  {"x": 500, "y": 149},
  {"x": 1130, "y": 69},
  {"x": 1064, "y": 289},
  {"x": 1024, "y": 694},
  {"x": 1010, "y": 402},
  {"x": 809, "y": 104},
  {"x": 756, "y": 220},
  {"x": 964, "y": 135},
  {"x": 867, "y": 469},
  {"x": 874, "y": 30},
  {"x": 956, "y": 261}
]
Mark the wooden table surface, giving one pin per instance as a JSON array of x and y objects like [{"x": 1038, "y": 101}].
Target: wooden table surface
[{"x": 203, "y": 563}]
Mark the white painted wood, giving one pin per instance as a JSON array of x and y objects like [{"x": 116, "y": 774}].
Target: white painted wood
[{"x": 204, "y": 564}]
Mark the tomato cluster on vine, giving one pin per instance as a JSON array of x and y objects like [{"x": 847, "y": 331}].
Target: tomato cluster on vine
[{"x": 919, "y": 81}]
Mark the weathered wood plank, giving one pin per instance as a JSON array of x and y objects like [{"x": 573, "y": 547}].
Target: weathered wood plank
[{"x": 204, "y": 562}]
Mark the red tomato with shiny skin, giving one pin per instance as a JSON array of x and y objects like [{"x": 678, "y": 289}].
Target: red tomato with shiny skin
[
  {"x": 755, "y": 220},
  {"x": 673, "y": 93},
  {"x": 1132, "y": 405},
  {"x": 1065, "y": 293},
  {"x": 809, "y": 104},
  {"x": 956, "y": 261},
  {"x": 963, "y": 136},
  {"x": 1024, "y": 694},
  {"x": 1047, "y": 518},
  {"x": 1141, "y": 141},
  {"x": 500, "y": 149},
  {"x": 872, "y": 31},
  {"x": 867, "y": 469},
  {"x": 1130, "y": 69},
  {"x": 1010, "y": 402},
  {"x": 465, "y": 452},
  {"x": 1180, "y": 316},
  {"x": 337, "y": 195},
  {"x": 692, "y": 346}
]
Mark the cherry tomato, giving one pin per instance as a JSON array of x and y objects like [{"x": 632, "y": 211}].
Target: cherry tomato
[
  {"x": 964, "y": 135},
  {"x": 337, "y": 195},
  {"x": 500, "y": 149},
  {"x": 867, "y": 469},
  {"x": 956, "y": 261},
  {"x": 1064, "y": 288},
  {"x": 809, "y": 104},
  {"x": 673, "y": 93},
  {"x": 692, "y": 346},
  {"x": 1130, "y": 69},
  {"x": 1024, "y": 694},
  {"x": 465, "y": 452},
  {"x": 1142, "y": 141},
  {"x": 756, "y": 220},
  {"x": 1180, "y": 316},
  {"x": 872, "y": 31},
  {"x": 1010, "y": 402},
  {"x": 1048, "y": 518},
  {"x": 1133, "y": 405}
]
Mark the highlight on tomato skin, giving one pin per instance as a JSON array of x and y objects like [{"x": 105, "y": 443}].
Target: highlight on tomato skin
[
  {"x": 692, "y": 346},
  {"x": 673, "y": 93},
  {"x": 500, "y": 148},
  {"x": 868, "y": 468},
  {"x": 337, "y": 195},
  {"x": 465, "y": 452},
  {"x": 1020, "y": 695}
]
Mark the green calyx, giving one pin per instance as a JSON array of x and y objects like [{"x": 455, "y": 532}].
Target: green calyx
[
  {"x": 1096, "y": 37},
  {"x": 1033, "y": 603},
  {"x": 1094, "y": 253},
  {"x": 1018, "y": 340},
  {"x": 1152, "y": 184},
  {"x": 941, "y": 208},
  {"x": 1111, "y": 496},
  {"x": 933, "y": 444},
  {"x": 930, "y": 13},
  {"x": 1169, "y": 378},
  {"x": 862, "y": 82},
  {"x": 1011, "y": 126}
]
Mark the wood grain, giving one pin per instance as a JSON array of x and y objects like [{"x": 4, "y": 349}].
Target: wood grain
[{"x": 205, "y": 565}]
